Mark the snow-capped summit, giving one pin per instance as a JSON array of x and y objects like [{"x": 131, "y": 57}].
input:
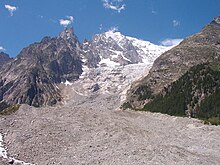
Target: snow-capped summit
[
  {"x": 117, "y": 36},
  {"x": 147, "y": 50},
  {"x": 115, "y": 49},
  {"x": 112, "y": 61}
]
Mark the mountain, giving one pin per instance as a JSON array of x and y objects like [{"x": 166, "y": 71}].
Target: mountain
[
  {"x": 112, "y": 61},
  {"x": 114, "y": 49},
  {"x": 200, "y": 48},
  {"x": 35, "y": 75},
  {"x": 4, "y": 58},
  {"x": 32, "y": 76}
]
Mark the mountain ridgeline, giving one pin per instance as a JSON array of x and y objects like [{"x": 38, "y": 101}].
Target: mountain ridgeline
[
  {"x": 184, "y": 80},
  {"x": 32, "y": 76},
  {"x": 4, "y": 58},
  {"x": 35, "y": 75}
]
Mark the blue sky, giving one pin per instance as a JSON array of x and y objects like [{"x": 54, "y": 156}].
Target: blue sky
[{"x": 27, "y": 21}]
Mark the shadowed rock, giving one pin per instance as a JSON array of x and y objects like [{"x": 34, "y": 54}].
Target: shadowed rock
[
  {"x": 4, "y": 58},
  {"x": 32, "y": 76}
]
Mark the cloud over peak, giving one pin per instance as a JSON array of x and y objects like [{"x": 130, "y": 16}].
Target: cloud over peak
[
  {"x": 176, "y": 23},
  {"x": 11, "y": 9},
  {"x": 66, "y": 22},
  {"x": 2, "y": 48},
  {"x": 171, "y": 42},
  {"x": 116, "y": 5}
]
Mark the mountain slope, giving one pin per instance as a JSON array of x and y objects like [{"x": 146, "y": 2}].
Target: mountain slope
[
  {"x": 170, "y": 66},
  {"x": 4, "y": 58},
  {"x": 195, "y": 94},
  {"x": 32, "y": 76}
]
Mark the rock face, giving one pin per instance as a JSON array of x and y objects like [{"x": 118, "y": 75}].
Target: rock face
[
  {"x": 170, "y": 66},
  {"x": 4, "y": 58},
  {"x": 32, "y": 76}
]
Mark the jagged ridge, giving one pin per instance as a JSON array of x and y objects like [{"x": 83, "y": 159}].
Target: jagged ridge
[
  {"x": 114, "y": 49},
  {"x": 4, "y": 58},
  {"x": 32, "y": 76}
]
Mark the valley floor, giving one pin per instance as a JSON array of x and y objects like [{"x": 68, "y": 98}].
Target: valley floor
[
  {"x": 90, "y": 128},
  {"x": 93, "y": 130}
]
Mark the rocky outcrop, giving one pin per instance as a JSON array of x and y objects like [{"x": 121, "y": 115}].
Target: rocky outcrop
[
  {"x": 4, "y": 58},
  {"x": 32, "y": 76},
  {"x": 170, "y": 66}
]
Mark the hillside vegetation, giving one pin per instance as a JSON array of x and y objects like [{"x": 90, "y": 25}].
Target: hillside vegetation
[
  {"x": 195, "y": 94},
  {"x": 199, "y": 48}
]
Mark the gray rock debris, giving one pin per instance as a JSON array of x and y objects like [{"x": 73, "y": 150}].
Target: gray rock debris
[{"x": 92, "y": 130}]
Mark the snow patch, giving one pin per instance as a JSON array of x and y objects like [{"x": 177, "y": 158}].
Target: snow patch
[
  {"x": 114, "y": 35},
  {"x": 67, "y": 83},
  {"x": 147, "y": 51},
  {"x": 3, "y": 154},
  {"x": 109, "y": 63}
]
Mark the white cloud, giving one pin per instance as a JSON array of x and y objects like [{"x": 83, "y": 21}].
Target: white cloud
[
  {"x": 171, "y": 42},
  {"x": 113, "y": 29},
  {"x": 1, "y": 48},
  {"x": 40, "y": 16},
  {"x": 100, "y": 27},
  {"x": 116, "y": 5},
  {"x": 66, "y": 22},
  {"x": 176, "y": 23},
  {"x": 70, "y": 18},
  {"x": 11, "y": 9},
  {"x": 153, "y": 12}
]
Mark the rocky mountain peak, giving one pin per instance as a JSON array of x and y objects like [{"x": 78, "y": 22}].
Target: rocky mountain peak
[
  {"x": 4, "y": 58},
  {"x": 217, "y": 19},
  {"x": 67, "y": 33},
  {"x": 112, "y": 48},
  {"x": 46, "y": 39},
  {"x": 4, "y": 55},
  {"x": 116, "y": 35},
  {"x": 33, "y": 75}
]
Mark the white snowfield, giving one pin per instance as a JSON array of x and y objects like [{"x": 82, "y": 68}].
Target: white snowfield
[
  {"x": 111, "y": 77},
  {"x": 109, "y": 80},
  {"x": 3, "y": 152},
  {"x": 146, "y": 48},
  {"x": 4, "y": 155},
  {"x": 146, "y": 51}
]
